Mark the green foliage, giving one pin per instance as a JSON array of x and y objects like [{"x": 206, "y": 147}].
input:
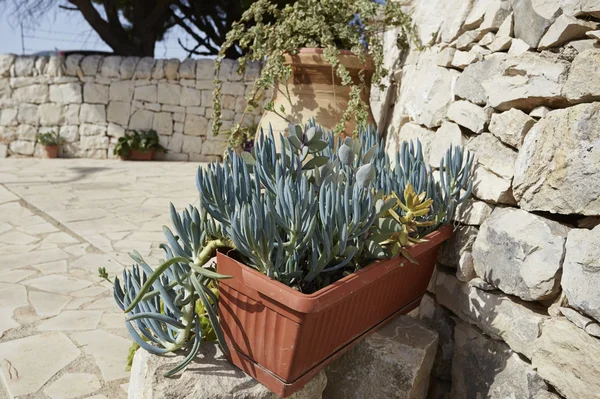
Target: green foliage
[
  {"x": 141, "y": 140},
  {"x": 49, "y": 139},
  {"x": 266, "y": 32}
]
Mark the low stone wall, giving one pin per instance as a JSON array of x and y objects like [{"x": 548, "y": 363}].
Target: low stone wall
[
  {"x": 515, "y": 299},
  {"x": 93, "y": 100}
]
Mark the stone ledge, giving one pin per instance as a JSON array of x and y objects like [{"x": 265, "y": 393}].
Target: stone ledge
[{"x": 394, "y": 362}]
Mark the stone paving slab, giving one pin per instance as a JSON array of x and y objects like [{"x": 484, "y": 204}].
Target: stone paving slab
[{"x": 61, "y": 335}]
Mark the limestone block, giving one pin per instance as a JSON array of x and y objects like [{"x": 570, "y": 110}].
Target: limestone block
[
  {"x": 565, "y": 29},
  {"x": 469, "y": 38},
  {"x": 114, "y": 130},
  {"x": 94, "y": 142},
  {"x": 539, "y": 112},
  {"x": 171, "y": 69},
  {"x": 121, "y": 91},
  {"x": 158, "y": 71},
  {"x": 141, "y": 119},
  {"x": 69, "y": 134},
  {"x": 500, "y": 316},
  {"x": 511, "y": 126},
  {"x": 462, "y": 59},
  {"x": 506, "y": 28},
  {"x": 527, "y": 81},
  {"x": 8, "y": 116},
  {"x": 94, "y": 93},
  {"x": 146, "y": 93},
  {"x": 187, "y": 69},
  {"x": 169, "y": 93},
  {"x": 448, "y": 135},
  {"x": 143, "y": 69},
  {"x": 190, "y": 97},
  {"x": 24, "y": 66},
  {"x": 28, "y": 114},
  {"x": 192, "y": 144},
  {"x": 50, "y": 114},
  {"x": 581, "y": 272},
  {"x": 36, "y": 94},
  {"x": 92, "y": 113},
  {"x": 195, "y": 125},
  {"x": 473, "y": 212},
  {"x": 495, "y": 14},
  {"x": 6, "y": 62},
  {"x": 500, "y": 43},
  {"x": 462, "y": 241},
  {"x": 67, "y": 93},
  {"x": 492, "y": 188},
  {"x": 90, "y": 65},
  {"x": 558, "y": 157},
  {"x": 532, "y": 19},
  {"x": 21, "y": 147},
  {"x": 469, "y": 83},
  {"x": 440, "y": 18},
  {"x": 527, "y": 265},
  {"x": 210, "y": 377},
  {"x": 3, "y": 151},
  {"x": 86, "y": 129},
  {"x": 583, "y": 83},
  {"x": 27, "y": 132},
  {"x": 393, "y": 362},
  {"x": 493, "y": 155},
  {"x": 163, "y": 123},
  {"x": 111, "y": 66},
  {"x": 518, "y": 47},
  {"x": 469, "y": 115},
  {"x": 5, "y": 91},
  {"x": 118, "y": 112},
  {"x": 128, "y": 67},
  {"x": 483, "y": 368},
  {"x": 566, "y": 357}
]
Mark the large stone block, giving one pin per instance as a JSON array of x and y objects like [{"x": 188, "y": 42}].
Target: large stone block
[
  {"x": 28, "y": 114},
  {"x": 448, "y": 135},
  {"x": 462, "y": 241},
  {"x": 6, "y": 61},
  {"x": 110, "y": 66},
  {"x": 583, "y": 83},
  {"x": 210, "y": 377},
  {"x": 565, "y": 29},
  {"x": 90, "y": 65},
  {"x": 121, "y": 91},
  {"x": 36, "y": 94},
  {"x": 172, "y": 69},
  {"x": 425, "y": 103},
  {"x": 118, "y": 112},
  {"x": 195, "y": 125},
  {"x": 127, "y": 68},
  {"x": 393, "y": 362},
  {"x": 187, "y": 69},
  {"x": 567, "y": 357},
  {"x": 527, "y": 81},
  {"x": 469, "y": 83},
  {"x": 92, "y": 113},
  {"x": 24, "y": 66},
  {"x": 520, "y": 253},
  {"x": 94, "y": 143},
  {"x": 169, "y": 93},
  {"x": 21, "y": 147},
  {"x": 146, "y": 93},
  {"x": 469, "y": 115},
  {"x": 483, "y": 368},
  {"x": 5, "y": 90},
  {"x": 8, "y": 116},
  {"x": 581, "y": 271},
  {"x": 493, "y": 155},
  {"x": 163, "y": 123},
  {"x": 27, "y": 132},
  {"x": 555, "y": 168},
  {"x": 94, "y": 93},
  {"x": 67, "y": 93},
  {"x": 190, "y": 97},
  {"x": 141, "y": 119},
  {"x": 50, "y": 114},
  {"x": 440, "y": 18},
  {"x": 533, "y": 18},
  {"x": 500, "y": 316},
  {"x": 192, "y": 144},
  {"x": 144, "y": 67},
  {"x": 511, "y": 126}
]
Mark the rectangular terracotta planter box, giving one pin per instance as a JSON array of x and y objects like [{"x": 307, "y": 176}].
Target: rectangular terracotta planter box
[{"x": 283, "y": 338}]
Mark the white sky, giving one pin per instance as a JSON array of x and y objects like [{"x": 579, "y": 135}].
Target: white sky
[{"x": 68, "y": 30}]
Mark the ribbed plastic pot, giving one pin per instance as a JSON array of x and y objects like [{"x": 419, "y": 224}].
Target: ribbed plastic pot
[{"x": 283, "y": 338}]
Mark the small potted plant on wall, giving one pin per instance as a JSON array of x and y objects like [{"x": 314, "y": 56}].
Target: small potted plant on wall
[
  {"x": 318, "y": 243},
  {"x": 320, "y": 58},
  {"x": 51, "y": 142},
  {"x": 139, "y": 145}
]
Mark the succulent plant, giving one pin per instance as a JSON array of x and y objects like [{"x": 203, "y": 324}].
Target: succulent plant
[{"x": 304, "y": 209}]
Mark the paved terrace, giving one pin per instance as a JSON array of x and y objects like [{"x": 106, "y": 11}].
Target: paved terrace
[{"x": 61, "y": 335}]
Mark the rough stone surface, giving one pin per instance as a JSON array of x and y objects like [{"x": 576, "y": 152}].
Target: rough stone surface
[
  {"x": 473, "y": 212},
  {"x": 411, "y": 132},
  {"x": 558, "y": 158},
  {"x": 494, "y": 156},
  {"x": 565, "y": 29},
  {"x": 462, "y": 241},
  {"x": 211, "y": 377},
  {"x": 527, "y": 81},
  {"x": 566, "y": 357},
  {"x": 449, "y": 134},
  {"x": 393, "y": 362},
  {"x": 492, "y": 188},
  {"x": 583, "y": 83},
  {"x": 520, "y": 253},
  {"x": 469, "y": 115},
  {"x": 511, "y": 126},
  {"x": 500, "y": 316},
  {"x": 483, "y": 368},
  {"x": 531, "y": 23},
  {"x": 469, "y": 83},
  {"x": 581, "y": 271}
]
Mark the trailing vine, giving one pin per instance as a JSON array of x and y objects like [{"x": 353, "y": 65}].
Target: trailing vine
[{"x": 333, "y": 25}]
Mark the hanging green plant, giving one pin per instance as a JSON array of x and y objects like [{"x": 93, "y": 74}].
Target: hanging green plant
[{"x": 332, "y": 25}]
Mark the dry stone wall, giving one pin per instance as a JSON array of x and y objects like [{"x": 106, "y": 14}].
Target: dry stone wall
[
  {"x": 515, "y": 298},
  {"x": 93, "y": 100}
]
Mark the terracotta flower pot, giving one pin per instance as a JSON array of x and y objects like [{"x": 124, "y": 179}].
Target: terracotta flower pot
[
  {"x": 316, "y": 91},
  {"x": 137, "y": 155},
  {"x": 51, "y": 151},
  {"x": 283, "y": 338}
]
